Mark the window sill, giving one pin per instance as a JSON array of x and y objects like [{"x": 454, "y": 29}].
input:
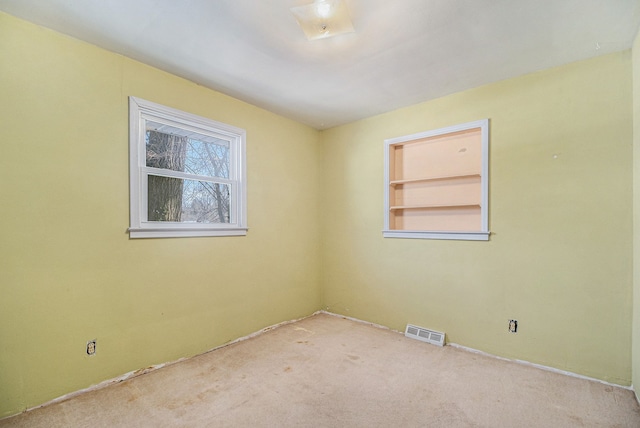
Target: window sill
[
  {"x": 417, "y": 234},
  {"x": 185, "y": 233}
]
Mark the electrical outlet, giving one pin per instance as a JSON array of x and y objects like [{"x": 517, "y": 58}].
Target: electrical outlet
[
  {"x": 91, "y": 347},
  {"x": 513, "y": 326}
]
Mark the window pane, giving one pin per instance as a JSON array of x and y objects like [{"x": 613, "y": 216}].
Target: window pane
[
  {"x": 187, "y": 201},
  {"x": 177, "y": 149}
]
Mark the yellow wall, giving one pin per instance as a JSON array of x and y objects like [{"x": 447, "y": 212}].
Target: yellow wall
[
  {"x": 636, "y": 215},
  {"x": 69, "y": 273},
  {"x": 560, "y": 256}
]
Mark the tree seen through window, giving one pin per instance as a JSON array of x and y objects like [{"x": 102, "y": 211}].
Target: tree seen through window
[{"x": 188, "y": 184}]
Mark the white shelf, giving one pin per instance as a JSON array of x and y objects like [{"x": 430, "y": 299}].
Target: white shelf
[
  {"x": 432, "y": 206},
  {"x": 437, "y": 178}
]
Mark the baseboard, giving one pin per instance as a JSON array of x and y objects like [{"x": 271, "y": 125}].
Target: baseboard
[
  {"x": 486, "y": 354},
  {"x": 539, "y": 366},
  {"x": 333, "y": 314}
]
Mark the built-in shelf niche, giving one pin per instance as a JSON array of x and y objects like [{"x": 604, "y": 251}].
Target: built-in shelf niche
[{"x": 437, "y": 182}]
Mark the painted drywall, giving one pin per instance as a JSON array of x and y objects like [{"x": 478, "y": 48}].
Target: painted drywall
[
  {"x": 636, "y": 215},
  {"x": 68, "y": 271},
  {"x": 560, "y": 255}
]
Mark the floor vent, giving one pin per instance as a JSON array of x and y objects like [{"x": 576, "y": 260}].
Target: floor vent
[{"x": 430, "y": 336}]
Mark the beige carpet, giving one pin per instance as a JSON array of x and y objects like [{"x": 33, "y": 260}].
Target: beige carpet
[{"x": 326, "y": 371}]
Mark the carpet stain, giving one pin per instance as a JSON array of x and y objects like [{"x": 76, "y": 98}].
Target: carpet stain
[
  {"x": 134, "y": 393},
  {"x": 450, "y": 414},
  {"x": 577, "y": 420},
  {"x": 204, "y": 395}
]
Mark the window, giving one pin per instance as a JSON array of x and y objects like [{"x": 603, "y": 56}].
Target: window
[
  {"x": 437, "y": 183},
  {"x": 187, "y": 174}
]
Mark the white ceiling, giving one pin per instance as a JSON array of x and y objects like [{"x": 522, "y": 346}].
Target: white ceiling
[{"x": 403, "y": 51}]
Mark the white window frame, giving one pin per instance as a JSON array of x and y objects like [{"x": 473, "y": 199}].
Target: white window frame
[
  {"x": 139, "y": 112},
  {"x": 473, "y": 235}
]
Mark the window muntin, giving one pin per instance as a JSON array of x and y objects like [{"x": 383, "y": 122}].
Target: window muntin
[{"x": 187, "y": 174}]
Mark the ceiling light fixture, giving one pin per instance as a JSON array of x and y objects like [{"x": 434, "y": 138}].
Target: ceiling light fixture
[{"x": 323, "y": 18}]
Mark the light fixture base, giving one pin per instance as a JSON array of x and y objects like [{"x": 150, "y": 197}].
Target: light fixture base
[{"x": 323, "y": 18}]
